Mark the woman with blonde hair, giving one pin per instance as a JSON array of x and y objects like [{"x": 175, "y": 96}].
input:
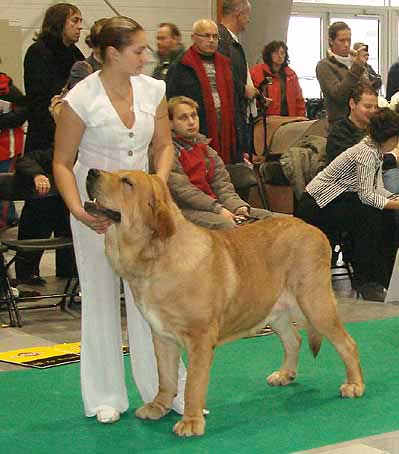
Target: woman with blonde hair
[{"x": 111, "y": 116}]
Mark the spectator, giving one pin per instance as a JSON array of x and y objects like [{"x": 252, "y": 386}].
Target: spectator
[
  {"x": 350, "y": 130},
  {"x": 349, "y": 196},
  {"x": 92, "y": 63},
  {"x": 204, "y": 75},
  {"x": 50, "y": 215},
  {"x": 13, "y": 114},
  {"x": 170, "y": 48},
  {"x": 340, "y": 71},
  {"x": 235, "y": 18},
  {"x": 393, "y": 80},
  {"x": 373, "y": 77},
  {"x": 282, "y": 84},
  {"x": 47, "y": 66},
  {"x": 199, "y": 181}
]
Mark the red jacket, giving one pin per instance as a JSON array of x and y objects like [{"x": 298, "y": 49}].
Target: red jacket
[
  {"x": 11, "y": 139},
  {"x": 295, "y": 101}
]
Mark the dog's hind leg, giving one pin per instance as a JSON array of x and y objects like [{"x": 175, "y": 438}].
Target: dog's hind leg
[
  {"x": 291, "y": 341},
  {"x": 316, "y": 299},
  {"x": 200, "y": 348},
  {"x": 168, "y": 357}
]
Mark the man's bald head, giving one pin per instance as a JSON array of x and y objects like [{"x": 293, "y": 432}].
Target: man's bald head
[{"x": 205, "y": 36}]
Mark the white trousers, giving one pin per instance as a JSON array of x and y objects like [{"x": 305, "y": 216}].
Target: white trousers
[{"x": 102, "y": 367}]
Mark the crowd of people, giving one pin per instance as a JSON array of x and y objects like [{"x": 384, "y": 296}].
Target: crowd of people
[{"x": 196, "y": 112}]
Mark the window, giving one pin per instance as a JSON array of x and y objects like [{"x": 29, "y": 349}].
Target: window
[{"x": 303, "y": 30}]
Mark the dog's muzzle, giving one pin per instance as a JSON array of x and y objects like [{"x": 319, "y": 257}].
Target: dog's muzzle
[{"x": 92, "y": 206}]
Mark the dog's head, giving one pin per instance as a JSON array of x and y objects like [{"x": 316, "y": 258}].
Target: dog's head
[{"x": 132, "y": 199}]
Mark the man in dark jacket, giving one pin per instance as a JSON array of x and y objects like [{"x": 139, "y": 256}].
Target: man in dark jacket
[
  {"x": 47, "y": 65},
  {"x": 203, "y": 74},
  {"x": 234, "y": 20},
  {"x": 350, "y": 130},
  {"x": 170, "y": 48}
]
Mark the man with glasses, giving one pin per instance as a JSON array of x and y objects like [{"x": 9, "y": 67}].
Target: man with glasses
[
  {"x": 204, "y": 75},
  {"x": 235, "y": 18}
]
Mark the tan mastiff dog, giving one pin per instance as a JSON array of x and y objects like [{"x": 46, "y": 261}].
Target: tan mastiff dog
[{"x": 194, "y": 287}]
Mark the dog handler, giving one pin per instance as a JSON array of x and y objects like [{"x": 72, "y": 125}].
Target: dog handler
[{"x": 111, "y": 117}]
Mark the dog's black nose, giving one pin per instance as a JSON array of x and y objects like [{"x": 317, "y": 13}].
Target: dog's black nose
[{"x": 93, "y": 173}]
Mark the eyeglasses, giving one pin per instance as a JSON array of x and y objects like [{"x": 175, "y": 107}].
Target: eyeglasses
[{"x": 207, "y": 36}]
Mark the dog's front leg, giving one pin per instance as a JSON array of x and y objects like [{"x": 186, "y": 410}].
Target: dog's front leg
[
  {"x": 168, "y": 357},
  {"x": 200, "y": 356}
]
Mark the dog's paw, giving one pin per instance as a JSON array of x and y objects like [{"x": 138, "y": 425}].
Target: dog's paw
[
  {"x": 190, "y": 426},
  {"x": 151, "y": 411},
  {"x": 352, "y": 390},
  {"x": 281, "y": 378}
]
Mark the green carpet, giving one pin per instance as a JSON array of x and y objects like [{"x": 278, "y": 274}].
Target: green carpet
[{"x": 40, "y": 410}]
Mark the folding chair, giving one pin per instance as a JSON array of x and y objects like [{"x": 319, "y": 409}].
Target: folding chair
[{"x": 13, "y": 188}]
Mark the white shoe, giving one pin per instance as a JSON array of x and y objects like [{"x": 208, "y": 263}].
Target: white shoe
[{"x": 107, "y": 415}]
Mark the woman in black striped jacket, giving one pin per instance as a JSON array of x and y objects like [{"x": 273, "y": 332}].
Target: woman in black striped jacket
[{"x": 349, "y": 196}]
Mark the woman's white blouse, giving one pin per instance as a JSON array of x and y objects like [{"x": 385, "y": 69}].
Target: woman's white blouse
[{"x": 107, "y": 143}]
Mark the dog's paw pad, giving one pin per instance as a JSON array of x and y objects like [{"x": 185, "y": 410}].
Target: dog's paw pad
[
  {"x": 352, "y": 390},
  {"x": 280, "y": 378},
  {"x": 150, "y": 411},
  {"x": 189, "y": 427}
]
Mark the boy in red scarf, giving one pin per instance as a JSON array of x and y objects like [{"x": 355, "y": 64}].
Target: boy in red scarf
[{"x": 199, "y": 181}]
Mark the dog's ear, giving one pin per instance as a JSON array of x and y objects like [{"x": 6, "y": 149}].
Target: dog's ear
[{"x": 164, "y": 224}]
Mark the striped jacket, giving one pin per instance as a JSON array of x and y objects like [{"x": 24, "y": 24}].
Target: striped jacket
[{"x": 358, "y": 169}]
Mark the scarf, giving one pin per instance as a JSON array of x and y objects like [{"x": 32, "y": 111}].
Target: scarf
[
  {"x": 347, "y": 61},
  {"x": 196, "y": 163},
  {"x": 224, "y": 141}
]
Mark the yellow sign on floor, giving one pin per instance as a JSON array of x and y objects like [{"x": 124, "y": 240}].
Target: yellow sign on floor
[{"x": 44, "y": 357}]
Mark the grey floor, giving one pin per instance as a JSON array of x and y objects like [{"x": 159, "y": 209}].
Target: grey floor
[{"x": 50, "y": 326}]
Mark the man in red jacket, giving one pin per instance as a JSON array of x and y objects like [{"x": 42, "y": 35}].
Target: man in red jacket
[{"x": 203, "y": 74}]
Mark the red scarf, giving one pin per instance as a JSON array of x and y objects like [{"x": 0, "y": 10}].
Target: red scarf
[
  {"x": 5, "y": 82},
  {"x": 225, "y": 142},
  {"x": 194, "y": 164}
]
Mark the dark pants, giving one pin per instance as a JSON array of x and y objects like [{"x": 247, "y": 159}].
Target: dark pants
[
  {"x": 39, "y": 219},
  {"x": 371, "y": 230}
]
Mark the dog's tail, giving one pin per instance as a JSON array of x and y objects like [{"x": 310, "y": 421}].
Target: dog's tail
[{"x": 314, "y": 339}]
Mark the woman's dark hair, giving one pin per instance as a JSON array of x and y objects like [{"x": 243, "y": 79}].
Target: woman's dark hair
[
  {"x": 92, "y": 38},
  {"x": 55, "y": 18},
  {"x": 272, "y": 47},
  {"x": 384, "y": 124},
  {"x": 336, "y": 27},
  {"x": 117, "y": 32}
]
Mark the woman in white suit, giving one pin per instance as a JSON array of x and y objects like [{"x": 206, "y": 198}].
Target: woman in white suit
[{"x": 111, "y": 116}]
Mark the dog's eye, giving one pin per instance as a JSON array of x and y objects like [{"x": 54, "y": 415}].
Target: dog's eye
[{"x": 127, "y": 181}]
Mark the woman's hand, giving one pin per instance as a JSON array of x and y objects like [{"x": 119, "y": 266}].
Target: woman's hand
[
  {"x": 99, "y": 224},
  {"x": 360, "y": 56},
  {"x": 42, "y": 184}
]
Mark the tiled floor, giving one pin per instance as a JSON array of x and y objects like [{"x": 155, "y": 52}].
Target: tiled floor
[{"x": 52, "y": 325}]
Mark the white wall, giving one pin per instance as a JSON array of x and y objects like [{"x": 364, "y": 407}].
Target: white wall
[
  {"x": 269, "y": 21},
  {"x": 26, "y": 16}
]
